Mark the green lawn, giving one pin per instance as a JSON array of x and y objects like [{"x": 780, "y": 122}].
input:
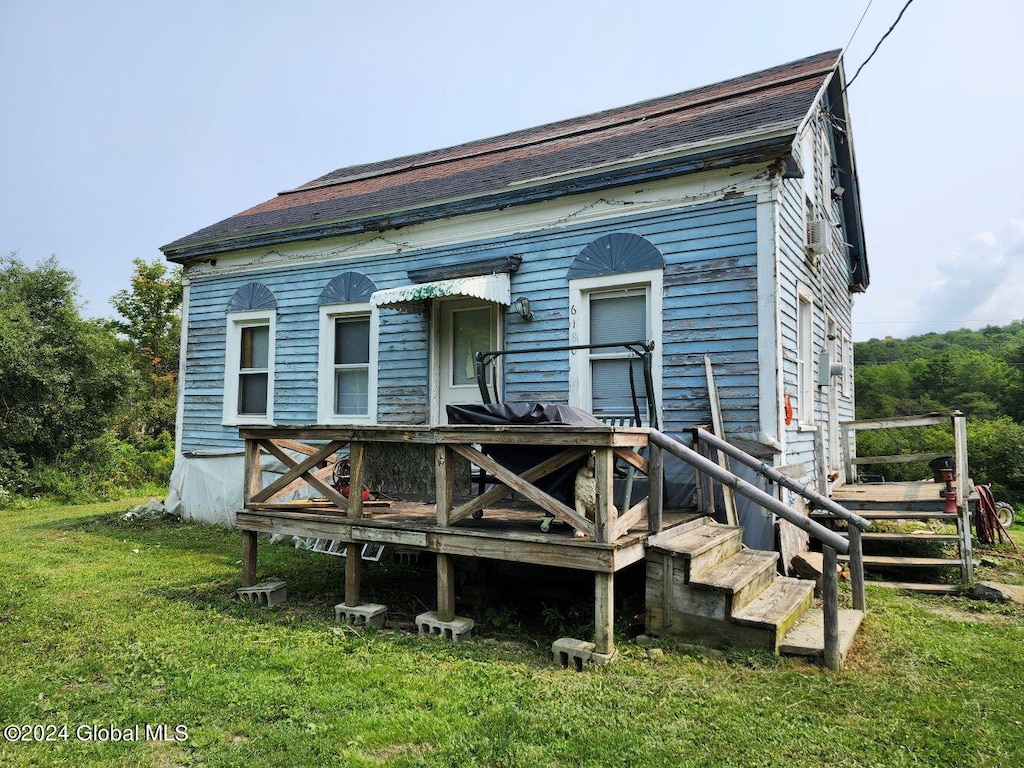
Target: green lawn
[{"x": 104, "y": 624}]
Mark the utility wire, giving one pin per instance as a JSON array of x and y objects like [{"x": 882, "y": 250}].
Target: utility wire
[
  {"x": 866, "y": 9},
  {"x": 878, "y": 45}
]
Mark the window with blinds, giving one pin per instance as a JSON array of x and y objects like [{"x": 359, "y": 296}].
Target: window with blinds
[{"x": 617, "y": 316}]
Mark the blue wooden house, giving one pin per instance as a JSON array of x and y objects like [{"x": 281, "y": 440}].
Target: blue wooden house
[{"x": 721, "y": 222}]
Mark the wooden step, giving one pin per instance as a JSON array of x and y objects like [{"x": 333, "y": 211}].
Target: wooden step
[
  {"x": 807, "y": 638},
  {"x": 886, "y": 561},
  {"x": 743, "y": 576},
  {"x": 911, "y": 586},
  {"x": 889, "y": 514},
  {"x": 911, "y": 536},
  {"x": 703, "y": 547},
  {"x": 778, "y": 608}
]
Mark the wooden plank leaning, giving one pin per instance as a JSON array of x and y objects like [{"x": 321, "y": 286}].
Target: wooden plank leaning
[{"x": 731, "y": 516}]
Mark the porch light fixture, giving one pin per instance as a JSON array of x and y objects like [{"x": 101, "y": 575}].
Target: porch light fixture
[{"x": 522, "y": 306}]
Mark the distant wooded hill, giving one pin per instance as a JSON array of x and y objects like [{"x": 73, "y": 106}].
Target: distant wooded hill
[{"x": 978, "y": 372}]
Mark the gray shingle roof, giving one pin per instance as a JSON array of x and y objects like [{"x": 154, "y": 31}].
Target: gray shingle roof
[{"x": 754, "y": 105}]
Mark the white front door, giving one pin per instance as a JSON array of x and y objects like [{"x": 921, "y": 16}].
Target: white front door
[{"x": 464, "y": 327}]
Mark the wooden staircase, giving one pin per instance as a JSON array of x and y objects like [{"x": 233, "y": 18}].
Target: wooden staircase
[
  {"x": 886, "y": 554},
  {"x": 703, "y": 586}
]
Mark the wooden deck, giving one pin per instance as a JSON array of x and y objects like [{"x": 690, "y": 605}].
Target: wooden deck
[
  {"x": 904, "y": 495},
  {"x": 446, "y": 524},
  {"x": 507, "y": 531}
]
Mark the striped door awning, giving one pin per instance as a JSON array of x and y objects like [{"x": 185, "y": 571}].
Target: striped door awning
[{"x": 496, "y": 288}]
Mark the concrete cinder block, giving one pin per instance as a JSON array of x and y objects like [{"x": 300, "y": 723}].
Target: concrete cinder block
[
  {"x": 267, "y": 593},
  {"x": 455, "y": 630},
  {"x": 568, "y": 651},
  {"x": 368, "y": 614}
]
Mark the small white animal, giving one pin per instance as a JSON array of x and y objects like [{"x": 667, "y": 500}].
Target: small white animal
[{"x": 586, "y": 493}]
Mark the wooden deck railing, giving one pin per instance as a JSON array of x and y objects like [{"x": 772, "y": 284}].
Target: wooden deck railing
[
  {"x": 958, "y": 422},
  {"x": 470, "y": 442}
]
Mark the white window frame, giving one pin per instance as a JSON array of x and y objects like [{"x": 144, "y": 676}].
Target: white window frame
[
  {"x": 580, "y": 291},
  {"x": 236, "y": 321},
  {"x": 806, "y": 379},
  {"x": 325, "y": 375}
]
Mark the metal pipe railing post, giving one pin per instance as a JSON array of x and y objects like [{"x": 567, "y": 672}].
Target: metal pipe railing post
[
  {"x": 830, "y": 605},
  {"x": 857, "y": 567}
]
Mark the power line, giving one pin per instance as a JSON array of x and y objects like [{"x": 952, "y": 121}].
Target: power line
[
  {"x": 866, "y": 8},
  {"x": 877, "y": 45}
]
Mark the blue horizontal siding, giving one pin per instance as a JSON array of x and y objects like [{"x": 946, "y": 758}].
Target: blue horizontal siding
[{"x": 709, "y": 307}]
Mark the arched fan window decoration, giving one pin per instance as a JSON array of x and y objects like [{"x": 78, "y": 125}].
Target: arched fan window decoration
[
  {"x": 346, "y": 288},
  {"x": 616, "y": 253},
  {"x": 252, "y": 297}
]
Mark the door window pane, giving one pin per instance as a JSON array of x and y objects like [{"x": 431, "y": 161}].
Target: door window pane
[
  {"x": 471, "y": 333},
  {"x": 617, "y": 317}
]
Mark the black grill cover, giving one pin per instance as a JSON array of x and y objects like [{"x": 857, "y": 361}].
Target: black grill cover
[{"x": 562, "y": 483}]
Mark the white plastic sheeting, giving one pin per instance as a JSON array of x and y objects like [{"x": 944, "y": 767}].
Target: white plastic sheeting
[{"x": 206, "y": 489}]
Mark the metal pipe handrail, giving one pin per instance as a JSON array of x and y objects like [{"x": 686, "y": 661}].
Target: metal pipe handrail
[
  {"x": 752, "y": 492},
  {"x": 780, "y": 479},
  {"x": 641, "y": 349}
]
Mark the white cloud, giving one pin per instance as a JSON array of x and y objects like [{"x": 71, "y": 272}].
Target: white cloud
[{"x": 976, "y": 284}]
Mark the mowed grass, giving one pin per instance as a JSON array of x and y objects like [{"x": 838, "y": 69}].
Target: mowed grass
[{"x": 107, "y": 624}]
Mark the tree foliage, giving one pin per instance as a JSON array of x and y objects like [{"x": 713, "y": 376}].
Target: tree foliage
[
  {"x": 62, "y": 378},
  {"x": 978, "y": 372},
  {"x": 150, "y": 328}
]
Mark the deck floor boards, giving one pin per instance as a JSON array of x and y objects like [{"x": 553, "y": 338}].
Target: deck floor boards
[{"x": 509, "y": 531}]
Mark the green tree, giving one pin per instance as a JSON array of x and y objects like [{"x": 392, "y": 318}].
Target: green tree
[
  {"x": 62, "y": 378},
  {"x": 150, "y": 326}
]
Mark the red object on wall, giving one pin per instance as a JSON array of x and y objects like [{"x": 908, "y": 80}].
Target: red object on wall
[{"x": 789, "y": 410}]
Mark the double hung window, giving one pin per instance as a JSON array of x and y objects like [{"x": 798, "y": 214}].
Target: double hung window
[
  {"x": 613, "y": 309},
  {"x": 249, "y": 369},
  {"x": 347, "y": 387}
]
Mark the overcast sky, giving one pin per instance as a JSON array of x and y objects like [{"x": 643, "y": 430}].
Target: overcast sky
[{"x": 129, "y": 124}]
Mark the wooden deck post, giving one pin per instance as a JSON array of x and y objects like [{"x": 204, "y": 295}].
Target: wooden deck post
[
  {"x": 444, "y": 484},
  {"x": 963, "y": 493},
  {"x": 353, "y": 574},
  {"x": 604, "y": 612},
  {"x": 248, "y": 558},
  {"x": 252, "y": 479},
  {"x": 655, "y": 488},
  {"x": 604, "y": 513},
  {"x": 353, "y": 551},
  {"x": 849, "y": 451},
  {"x": 357, "y": 463},
  {"x": 445, "y": 587},
  {"x": 830, "y": 605}
]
